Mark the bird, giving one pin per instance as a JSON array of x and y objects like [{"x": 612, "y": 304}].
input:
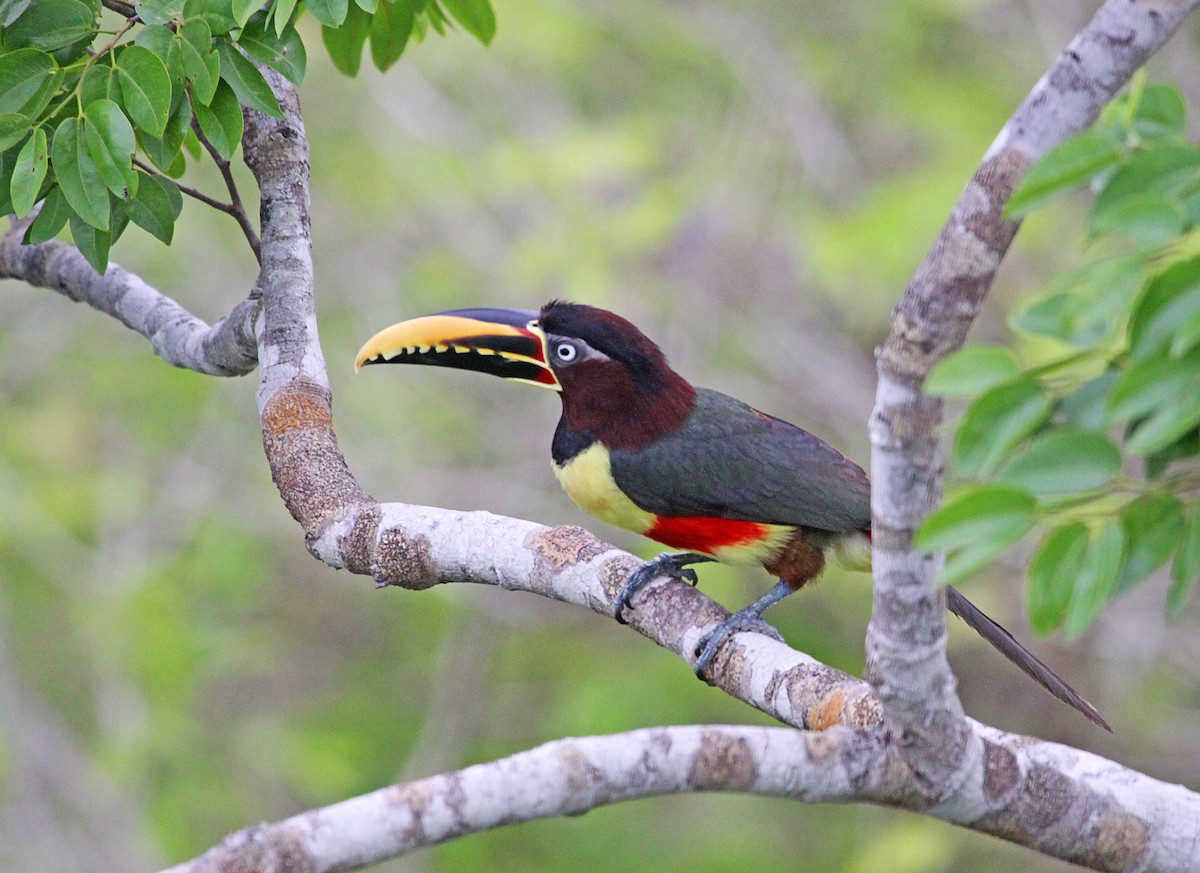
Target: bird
[{"x": 640, "y": 447}]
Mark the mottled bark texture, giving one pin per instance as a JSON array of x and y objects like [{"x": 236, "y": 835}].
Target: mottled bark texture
[
  {"x": 1038, "y": 794},
  {"x": 906, "y": 658},
  {"x": 227, "y": 348}
]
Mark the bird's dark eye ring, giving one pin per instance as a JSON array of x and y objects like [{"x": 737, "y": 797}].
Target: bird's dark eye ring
[{"x": 565, "y": 352}]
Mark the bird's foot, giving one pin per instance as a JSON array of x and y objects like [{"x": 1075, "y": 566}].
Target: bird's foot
[
  {"x": 671, "y": 564},
  {"x": 747, "y": 620}
]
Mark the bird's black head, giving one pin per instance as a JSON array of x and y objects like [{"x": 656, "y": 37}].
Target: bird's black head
[
  {"x": 616, "y": 383},
  {"x": 605, "y": 332}
]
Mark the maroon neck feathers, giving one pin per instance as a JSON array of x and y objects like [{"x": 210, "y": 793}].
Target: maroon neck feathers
[
  {"x": 602, "y": 398},
  {"x": 628, "y": 396}
]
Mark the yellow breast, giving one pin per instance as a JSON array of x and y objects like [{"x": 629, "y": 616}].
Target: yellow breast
[{"x": 587, "y": 478}]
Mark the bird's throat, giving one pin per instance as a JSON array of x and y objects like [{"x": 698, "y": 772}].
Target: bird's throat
[{"x": 605, "y": 403}]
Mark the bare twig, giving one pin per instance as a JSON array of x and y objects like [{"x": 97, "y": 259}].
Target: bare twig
[
  {"x": 178, "y": 337},
  {"x": 238, "y": 208},
  {"x": 121, "y": 8},
  {"x": 234, "y": 209}
]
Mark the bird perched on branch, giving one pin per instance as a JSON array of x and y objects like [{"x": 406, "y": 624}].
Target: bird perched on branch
[{"x": 641, "y": 448}]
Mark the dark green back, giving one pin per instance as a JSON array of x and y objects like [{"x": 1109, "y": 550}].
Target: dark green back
[{"x": 731, "y": 461}]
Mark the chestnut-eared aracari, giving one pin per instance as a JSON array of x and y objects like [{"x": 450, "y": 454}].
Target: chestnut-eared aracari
[{"x": 641, "y": 448}]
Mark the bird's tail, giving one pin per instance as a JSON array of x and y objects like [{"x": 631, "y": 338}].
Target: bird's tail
[{"x": 1019, "y": 655}]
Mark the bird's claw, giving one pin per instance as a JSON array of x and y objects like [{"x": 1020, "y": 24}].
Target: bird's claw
[
  {"x": 747, "y": 620},
  {"x": 671, "y": 564}
]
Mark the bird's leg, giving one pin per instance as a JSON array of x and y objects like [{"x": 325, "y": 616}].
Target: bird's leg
[
  {"x": 671, "y": 564},
  {"x": 748, "y": 619}
]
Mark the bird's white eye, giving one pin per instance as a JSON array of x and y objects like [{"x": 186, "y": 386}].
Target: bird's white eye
[{"x": 565, "y": 352}]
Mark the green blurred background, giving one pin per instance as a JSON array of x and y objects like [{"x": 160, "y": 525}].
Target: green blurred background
[{"x": 752, "y": 183}]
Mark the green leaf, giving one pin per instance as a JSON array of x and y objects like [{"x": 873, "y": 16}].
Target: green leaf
[
  {"x": 243, "y": 9},
  {"x": 1085, "y": 406},
  {"x": 390, "y": 29},
  {"x": 247, "y": 82},
  {"x": 120, "y": 219},
  {"x": 996, "y": 421},
  {"x": 1186, "y": 447},
  {"x": 1065, "y": 167},
  {"x": 77, "y": 173},
  {"x": 8, "y": 164},
  {"x": 1161, "y": 169},
  {"x": 164, "y": 151},
  {"x": 28, "y": 79},
  {"x": 1046, "y": 316},
  {"x": 1187, "y": 336},
  {"x": 1149, "y": 220},
  {"x": 1066, "y": 460},
  {"x": 1167, "y": 424},
  {"x": 151, "y": 210},
  {"x": 13, "y": 129},
  {"x": 345, "y": 44},
  {"x": 165, "y": 45},
  {"x": 285, "y": 54},
  {"x": 476, "y": 17},
  {"x": 283, "y": 15},
  {"x": 191, "y": 144},
  {"x": 51, "y": 218},
  {"x": 158, "y": 39},
  {"x": 331, "y": 14},
  {"x": 50, "y": 25},
  {"x": 1096, "y": 580},
  {"x": 93, "y": 244},
  {"x": 1170, "y": 299},
  {"x": 221, "y": 120},
  {"x": 1151, "y": 384},
  {"x": 11, "y": 10},
  {"x": 1052, "y": 576},
  {"x": 368, "y": 6},
  {"x": 1160, "y": 112},
  {"x": 201, "y": 63},
  {"x": 111, "y": 143},
  {"x": 985, "y": 512},
  {"x": 218, "y": 14},
  {"x": 435, "y": 17},
  {"x": 145, "y": 88},
  {"x": 160, "y": 11},
  {"x": 1186, "y": 567},
  {"x": 971, "y": 371},
  {"x": 1152, "y": 525},
  {"x": 29, "y": 173},
  {"x": 966, "y": 562},
  {"x": 173, "y": 196},
  {"x": 97, "y": 83}
]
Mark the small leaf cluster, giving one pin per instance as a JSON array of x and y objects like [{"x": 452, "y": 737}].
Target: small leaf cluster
[
  {"x": 98, "y": 108},
  {"x": 1096, "y": 444},
  {"x": 102, "y": 101},
  {"x": 389, "y": 25}
]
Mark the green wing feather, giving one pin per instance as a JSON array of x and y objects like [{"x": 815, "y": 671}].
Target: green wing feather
[{"x": 731, "y": 461}]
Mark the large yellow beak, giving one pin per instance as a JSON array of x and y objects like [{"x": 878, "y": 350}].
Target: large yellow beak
[{"x": 503, "y": 342}]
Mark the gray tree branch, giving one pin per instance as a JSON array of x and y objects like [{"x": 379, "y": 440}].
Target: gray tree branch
[
  {"x": 1121, "y": 824},
  {"x": 227, "y": 348},
  {"x": 906, "y": 641}
]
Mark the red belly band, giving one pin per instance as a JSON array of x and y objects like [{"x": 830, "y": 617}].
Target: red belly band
[{"x": 698, "y": 533}]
